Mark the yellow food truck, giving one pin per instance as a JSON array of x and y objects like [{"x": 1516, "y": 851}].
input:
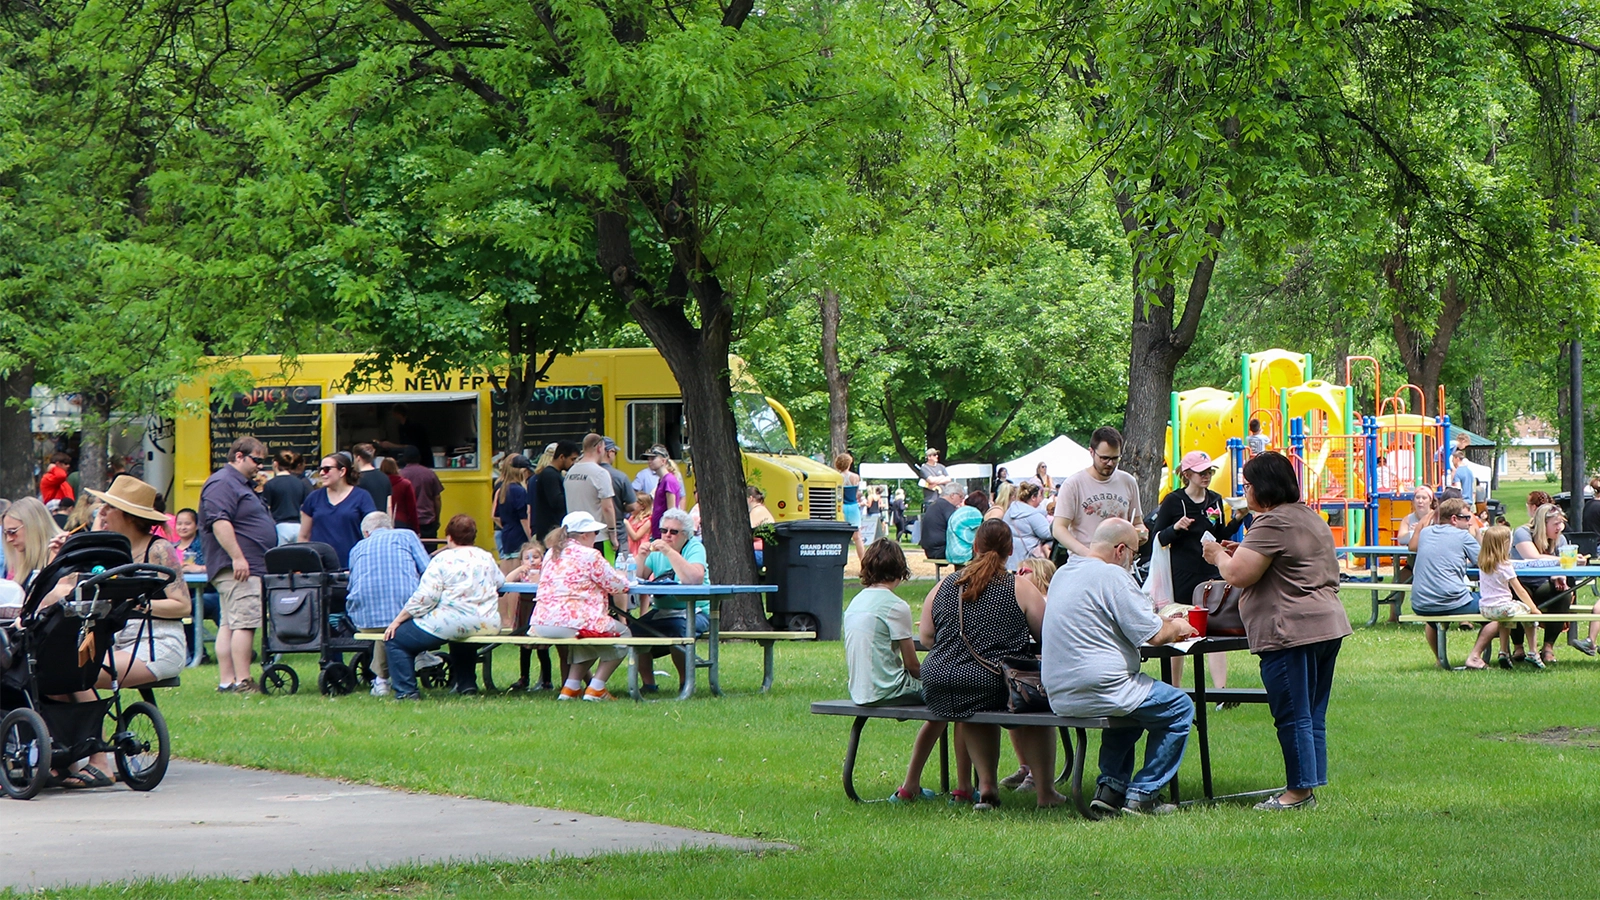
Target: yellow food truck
[{"x": 629, "y": 394}]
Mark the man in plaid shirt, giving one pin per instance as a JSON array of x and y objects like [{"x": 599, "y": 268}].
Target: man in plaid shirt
[{"x": 385, "y": 568}]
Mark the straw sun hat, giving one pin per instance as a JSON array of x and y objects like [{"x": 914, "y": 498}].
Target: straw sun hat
[{"x": 133, "y": 497}]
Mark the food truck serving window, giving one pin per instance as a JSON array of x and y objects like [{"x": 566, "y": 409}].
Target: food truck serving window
[
  {"x": 442, "y": 426},
  {"x": 652, "y": 422}
]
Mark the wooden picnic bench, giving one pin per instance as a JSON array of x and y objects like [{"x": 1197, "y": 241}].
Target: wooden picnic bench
[
  {"x": 1441, "y": 634},
  {"x": 528, "y": 640},
  {"x": 1070, "y": 729},
  {"x": 939, "y": 567},
  {"x": 1378, "y": 588},
  {"x": 767, "y": 639}
]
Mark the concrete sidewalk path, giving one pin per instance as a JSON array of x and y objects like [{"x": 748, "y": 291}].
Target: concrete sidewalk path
[{"x": 210, "y": 820}]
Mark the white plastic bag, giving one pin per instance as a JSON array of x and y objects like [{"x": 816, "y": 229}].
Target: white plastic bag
[{"x": 1158, "y": 584}]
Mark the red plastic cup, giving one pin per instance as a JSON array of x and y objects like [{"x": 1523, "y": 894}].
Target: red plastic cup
[{"x": 1197, "y": 618}]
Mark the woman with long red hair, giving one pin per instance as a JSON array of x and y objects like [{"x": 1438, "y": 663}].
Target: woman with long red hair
[{"x": 974, "y": 620}]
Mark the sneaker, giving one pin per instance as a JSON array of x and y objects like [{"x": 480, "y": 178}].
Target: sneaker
[
  {"x": 569, "y": 694},
  {"x": 227, "y": 688},
  {"x": 544, "y": 686},
  {"x": 1015, "y": 779},
  {"x": 380, "y": 687},
  {"x": 649, "y": 689},
  {"x": 247, "y": 686},
  {"x": 1586, "y": 647},
  {"x": 408, "y": 696},
  {"x": 594, "y": 696},
  {"x": 1027, "y": 784},
  {"x": 1150, "y": 807},
  {"x": 1534, "y": 660},
  {"x": 427, "y": 659},
  {"x": 1227, "y": 705},
  {"x": 1107, "y": 802}
]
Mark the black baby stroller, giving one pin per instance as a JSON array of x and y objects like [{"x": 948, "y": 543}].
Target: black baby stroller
[
  {"x": 305, "y": 593},
  {"x": 62, "y": 649}
]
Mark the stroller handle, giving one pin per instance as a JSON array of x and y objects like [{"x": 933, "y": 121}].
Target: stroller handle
[{"x": 130, "y": 570}]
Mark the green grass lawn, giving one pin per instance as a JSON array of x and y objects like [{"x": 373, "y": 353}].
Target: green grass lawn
[{"x": 1435, "y": 791}]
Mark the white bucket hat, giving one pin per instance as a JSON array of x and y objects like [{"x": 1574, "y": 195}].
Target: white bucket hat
[{"x": 582, "y": 523}]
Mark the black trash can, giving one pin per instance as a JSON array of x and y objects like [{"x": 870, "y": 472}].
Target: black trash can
[{"x": 807, "y": 565}]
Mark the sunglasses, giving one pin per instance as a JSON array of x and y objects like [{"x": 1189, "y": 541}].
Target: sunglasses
[
  {"x": 672, "y": 531},
  {"x": 12, "y": 532},
  {"x": 259, "y": 460},
  {"x": 326, "y": 468}
]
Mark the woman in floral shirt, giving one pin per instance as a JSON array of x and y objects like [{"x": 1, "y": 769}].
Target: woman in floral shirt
[
  {"x": 575, "y": 587},
  {"x": 459, "y": 596}
]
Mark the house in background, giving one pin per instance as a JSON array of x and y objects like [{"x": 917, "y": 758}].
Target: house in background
[{"x": 1534, "y": 453}]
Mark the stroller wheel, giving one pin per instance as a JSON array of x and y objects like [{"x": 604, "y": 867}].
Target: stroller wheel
[
  {"x": 24, "y": 754},
  {"x": 435, "y": 676},
  {"x": 142, "y": 746},
  {"x": 336, "y": 679},
  {"x": 362, "y": 665},
  {"x": 279, "y": 679}
]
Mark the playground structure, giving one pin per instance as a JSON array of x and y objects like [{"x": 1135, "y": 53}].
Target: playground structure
[{"x": 1359, "y": 470}]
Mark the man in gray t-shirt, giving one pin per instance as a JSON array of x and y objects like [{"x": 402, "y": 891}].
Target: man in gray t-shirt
[
  {"x": 1439, "y": 573},
  {"x": 1095, "y": 619}
]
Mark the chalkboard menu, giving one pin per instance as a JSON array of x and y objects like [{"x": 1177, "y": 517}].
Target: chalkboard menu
[
  {"x": 558, "y": 412},
  {"x": 283, "y": 418}
]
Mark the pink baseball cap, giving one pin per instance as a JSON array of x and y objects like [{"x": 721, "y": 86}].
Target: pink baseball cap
[{"x": 1195, "y": 461}]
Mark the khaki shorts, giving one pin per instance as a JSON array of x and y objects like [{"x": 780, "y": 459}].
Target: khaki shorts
[{"x": 241, "y": 601}]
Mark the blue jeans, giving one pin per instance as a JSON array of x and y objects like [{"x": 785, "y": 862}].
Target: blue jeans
[
  {"x": 409, "y": 640},
  {"x": 1167, "y": 714},
  {"x": 1298, "y": 682},
  {"x": 671, "y": 622}
]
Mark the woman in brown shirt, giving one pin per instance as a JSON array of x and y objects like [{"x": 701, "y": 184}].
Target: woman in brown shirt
[{"x": 1292, "y": 617}]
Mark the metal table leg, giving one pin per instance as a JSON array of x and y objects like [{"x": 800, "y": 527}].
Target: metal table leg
[
  {"x": 1200, "y": 724},
  {"x": 714, "y": 677},
  {"x": 1441, "y": 632},
  {"x": 633, "y": 675},
  {"x": 850, "y": 758},
  {"x": 944, "y": 760},
  {"x": 199, "y": 620},
  {"x": 1081, "y": 751},
  {"x": 766, "y": 665},
  {"x": 486, "y": 663}
]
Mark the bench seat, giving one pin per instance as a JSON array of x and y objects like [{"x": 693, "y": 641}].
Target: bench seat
[
  {"x": 147, "y": 691},
  {"x": 1072, "y": 730},
  {"x": 485, "y": 659},
  {"x": 1441, "y": 634}
]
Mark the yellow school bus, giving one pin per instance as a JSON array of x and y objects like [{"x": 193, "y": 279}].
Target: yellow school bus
[{"x": 629, "y": 394}]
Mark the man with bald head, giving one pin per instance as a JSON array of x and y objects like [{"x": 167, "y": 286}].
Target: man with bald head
[{"x": 1095, "y": 619}]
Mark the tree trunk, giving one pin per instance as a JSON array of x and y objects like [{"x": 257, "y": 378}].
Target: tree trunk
[
  {"x": 1424, "y": 356},
  {"x": 838, "y": 381},
  {"x": 1160, "y": 339},
  {"x": 698, "y": 358},
  {"x": 94, "y": 449},
  {"x": 1476, "y": 419},
  {"x": 16, "y": 434}
]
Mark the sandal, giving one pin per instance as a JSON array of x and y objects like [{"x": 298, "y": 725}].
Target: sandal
[
  {"x": 87, "y": 777},
  {"x": 1505, "y": 661},
  {"x": 985, "y": 804},
  {"x": 1475, "y": 668},
  {"x": 960, "y": 797}
]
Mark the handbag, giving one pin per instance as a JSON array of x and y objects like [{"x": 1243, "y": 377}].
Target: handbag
[
  {"x": 1221, "y": 602},
  {"x": 1024, "y": 686}
]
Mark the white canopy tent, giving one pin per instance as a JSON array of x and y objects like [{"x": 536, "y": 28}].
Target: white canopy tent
[{"x": 1063, "y": 455}]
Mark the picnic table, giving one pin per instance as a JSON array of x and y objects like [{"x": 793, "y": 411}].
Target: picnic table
[
  {"x": 1201, "y": 694},
  {"x": 1376, "y": 585},
  {"x": 712, "y": 593},
  {"x": 197, "y": 583}
]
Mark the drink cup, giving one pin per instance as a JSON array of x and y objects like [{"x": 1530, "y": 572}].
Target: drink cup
[
  {"x": 1569, "y": 556},
  {"x": 1197, "y": 619}
]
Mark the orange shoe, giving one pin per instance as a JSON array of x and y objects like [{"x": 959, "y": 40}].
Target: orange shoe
[
  {"x": 600, "y": 696},
  {"x": 569, "y": 693}
]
